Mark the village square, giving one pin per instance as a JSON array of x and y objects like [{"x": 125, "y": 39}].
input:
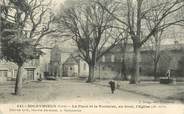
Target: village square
[{"x": 92, "y": 50}]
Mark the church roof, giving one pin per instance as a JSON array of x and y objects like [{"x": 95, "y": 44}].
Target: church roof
[{"x": 71, "y": 61}]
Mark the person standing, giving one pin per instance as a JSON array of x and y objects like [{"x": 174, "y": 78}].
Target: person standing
[
  {"x": 112, "y": 86},
  {"x": 168, "y": 74}
]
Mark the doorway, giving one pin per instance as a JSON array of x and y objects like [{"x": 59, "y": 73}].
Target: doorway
[{"x": 30, "y": 74}]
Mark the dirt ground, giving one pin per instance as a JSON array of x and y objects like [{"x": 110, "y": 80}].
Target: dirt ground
[
  {"x": 164, "y": 92},
  {"x": 65, "y": 90}
]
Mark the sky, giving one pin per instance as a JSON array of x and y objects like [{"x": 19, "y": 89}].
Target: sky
[
  {"x": 46, "y": 58},
  {"x": 57, "y": 3}
]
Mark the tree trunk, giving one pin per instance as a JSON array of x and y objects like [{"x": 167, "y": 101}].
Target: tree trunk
[
  {"x": 91, "y": 74},
  {"x": 123, "y": 70},
  {"x": 136, "y": 66},
  {"x": 155, "y": 71},
  {"x": 18, "y": 84}
]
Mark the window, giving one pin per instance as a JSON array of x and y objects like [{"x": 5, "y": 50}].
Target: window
[
  {"x": 1, "y": 73},
  {"x": 71, "y": 68},
  {"x": 30, "y": 74},
  {"x": 121, "y": 59},
  {"x": 112, "y": 58},
  {"x": 15, "y": 74},
  {"x": 4, "y": 73},
  {"x": 103, "y": 58},
  {"x": 112, "y": 69},
  {"x": 103, "y": 68},
  {"x": 84, "y": 66}
]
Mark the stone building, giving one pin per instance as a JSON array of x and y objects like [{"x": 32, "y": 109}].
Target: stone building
[
  {"x": 75, "y": 67},
  {"x": 111, "y": 64},
  {"x": 108, "y": 67},
  {"x": 171, "y": 56},
  {"x": 8, "y": 70},
  {"x": 70, "y": 67}
]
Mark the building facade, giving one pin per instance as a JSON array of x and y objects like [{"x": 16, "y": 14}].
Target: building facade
[
  {"x": 8, "y": 70},
  {"x": 171, "y": 57},
  {"x": 70, "y": 67},
  {"x": 75, "y": 67},
  {"x": 108, "y": 67}
]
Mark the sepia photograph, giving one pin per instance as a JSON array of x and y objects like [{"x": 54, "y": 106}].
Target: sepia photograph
[{"x": 91, "y": 56}]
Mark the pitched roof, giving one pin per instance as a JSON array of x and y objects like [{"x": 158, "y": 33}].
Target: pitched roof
[{"x": 71, "y": 60}]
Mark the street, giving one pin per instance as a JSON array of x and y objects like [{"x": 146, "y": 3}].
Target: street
[
  {"x": 67, "y": 90},
  {"x": 76, "y": 96}
]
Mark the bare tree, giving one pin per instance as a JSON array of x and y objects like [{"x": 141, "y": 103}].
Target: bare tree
[
  {"x": 154, "y": 47},
  {"x": 124, "y": 49},
  {"x": 154, "y": 43},
  {"x": 135, "y": 15},
  {"x": 91, "y": 29}
]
